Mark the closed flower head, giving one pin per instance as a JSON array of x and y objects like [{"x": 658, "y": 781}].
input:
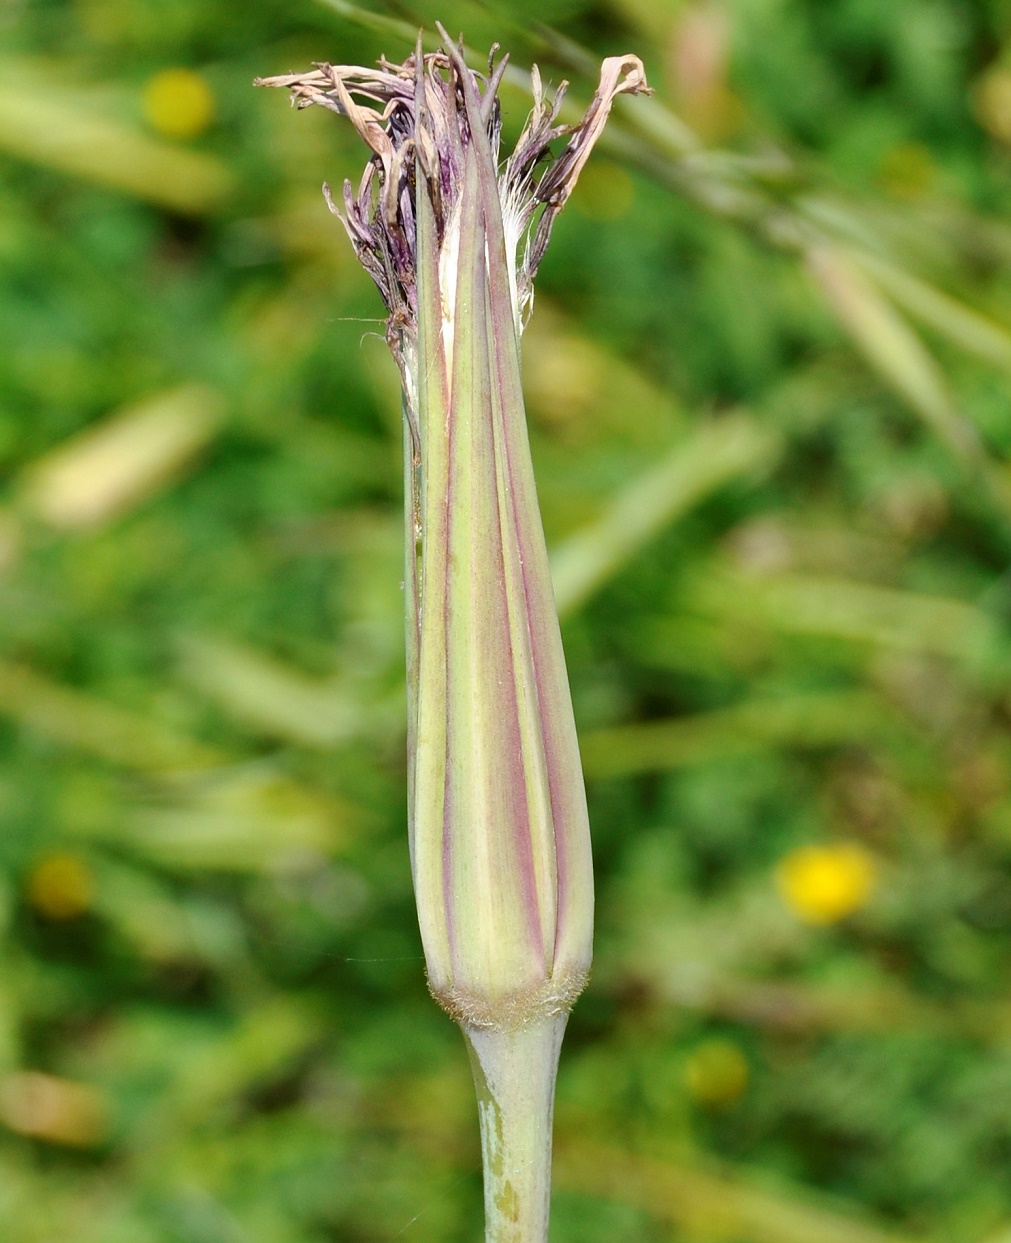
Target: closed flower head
[{"x": 452, "y": 236}]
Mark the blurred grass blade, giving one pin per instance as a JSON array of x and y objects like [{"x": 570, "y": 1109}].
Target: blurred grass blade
[
  {"x": 785, "y": 1005},
  {"x": 243, "y": 820},
  {"x": 144, "y": 911},
  {"x": 964, "y": 326},
  {"x": 112, "y": 466},
  {"x": 270, "y": 695},
  {"x": 382, "y": 23},
  {"x": 263, "y": 1045},
  {"x": 840, "y": 718},
  {"x": 697, "y": 467},
  {"x": 60, "y": 127},
  {"x": 841, "y": 608},
  {"x": 80, "y": 720},
  {"x": 211, "y": 813},
  {"x": 53, "y": 1110},
  {"x": 891, "y": 347},
  {"x": 706, "y": 1205}
]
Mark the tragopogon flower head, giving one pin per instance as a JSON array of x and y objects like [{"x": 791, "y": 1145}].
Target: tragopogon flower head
[{"x": 453, "y": 236}]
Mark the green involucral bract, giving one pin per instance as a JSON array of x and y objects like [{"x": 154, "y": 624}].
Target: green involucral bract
[
  {"x": 501, "y": 846},
  {"x": 499, "y": 836}
]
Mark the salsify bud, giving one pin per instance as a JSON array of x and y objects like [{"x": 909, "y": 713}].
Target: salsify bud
[{"x": 500, "y": 843}]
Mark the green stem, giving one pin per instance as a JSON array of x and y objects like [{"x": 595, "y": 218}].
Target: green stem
[{"x": 514, "y": 1073}]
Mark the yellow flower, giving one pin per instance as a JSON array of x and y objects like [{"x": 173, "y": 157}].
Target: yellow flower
[
  {"x": 716, "y": 1073},
  {"x": 908, "y": 170},
  {"x": 178, "y": 103},
  {"x": 61, "y": 886},
  {"x": 823, "y": 884}
]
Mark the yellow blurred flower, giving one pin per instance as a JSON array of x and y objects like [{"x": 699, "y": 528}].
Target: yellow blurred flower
[
  {"x": 823, "y": 884},
  {"x": 61, "y": 886},
  {"x": 907, "y": 171},
  {"x": 716, "y": 1073},
  {"x": 178, "y": 103}
]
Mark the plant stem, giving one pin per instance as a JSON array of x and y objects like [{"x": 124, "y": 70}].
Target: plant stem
[{"x": 514, "y": 1073}]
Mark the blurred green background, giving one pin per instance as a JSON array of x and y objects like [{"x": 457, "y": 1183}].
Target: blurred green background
[{"x": 768, "y": 378}]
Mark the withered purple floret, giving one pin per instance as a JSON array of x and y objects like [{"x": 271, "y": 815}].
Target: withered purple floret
[{"x": 413, "y": 119}]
